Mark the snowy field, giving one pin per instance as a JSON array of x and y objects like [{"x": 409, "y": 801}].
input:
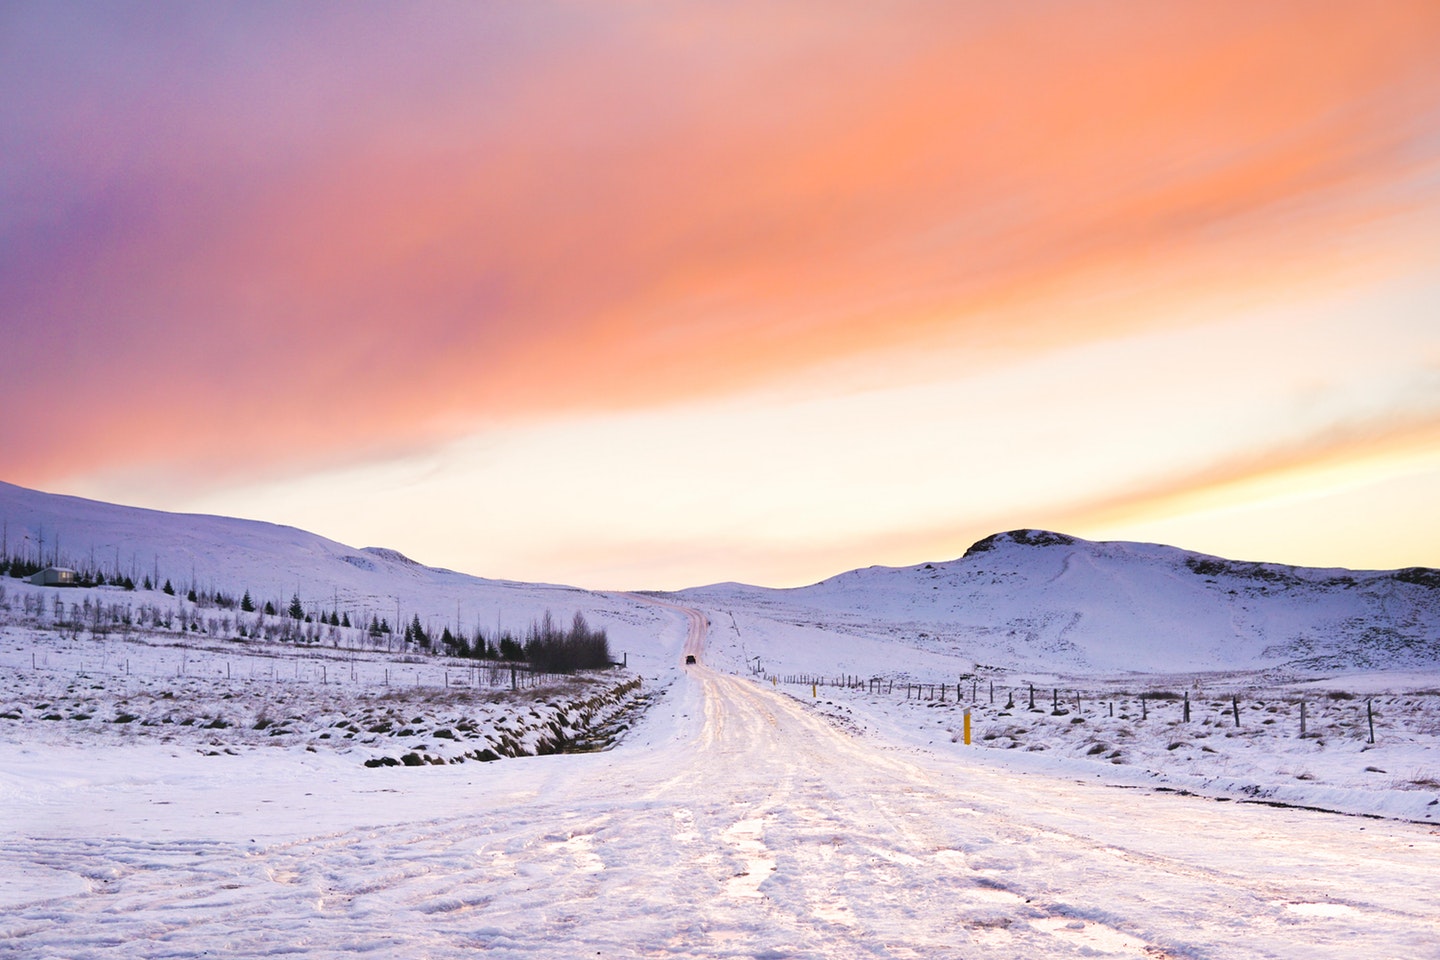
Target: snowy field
[
  {"x": 178, "y": 780},
  {"x": 1263, "y": 759},
  {"x": 61, "y": 685},
  {"x": 733, "y": 821},
  {"x": 1111, "y": 640}
]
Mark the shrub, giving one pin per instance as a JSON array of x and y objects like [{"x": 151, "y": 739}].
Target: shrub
[{"x": 552, "y": 650}]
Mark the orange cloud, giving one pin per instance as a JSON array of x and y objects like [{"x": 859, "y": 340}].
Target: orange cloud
[
  {"x": 1362, "y": 444},
  {"x": 1229, "y": 480},
  {"x": 671, "y": 205}
]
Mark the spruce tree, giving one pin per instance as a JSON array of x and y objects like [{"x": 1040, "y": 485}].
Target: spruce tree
[
  {"x": 168, "y": 588},
  {"x": 246, "y": 603},
  {"x": 297, "y": 612}
]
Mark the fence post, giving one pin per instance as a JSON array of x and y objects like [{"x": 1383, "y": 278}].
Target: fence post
[
  {"x": 1187, "y": 706},
  {"x": 1370, "y": 715},
  {"x": 1302, "y": 719},
  {"x": 1235, "y": 706}
]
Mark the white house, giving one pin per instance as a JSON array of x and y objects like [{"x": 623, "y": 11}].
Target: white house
[{"x": 55, "y": 577}]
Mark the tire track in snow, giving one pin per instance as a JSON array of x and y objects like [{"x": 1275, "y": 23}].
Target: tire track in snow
[{"x": 757, "y": 829}]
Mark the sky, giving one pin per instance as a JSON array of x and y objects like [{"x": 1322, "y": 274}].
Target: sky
[{"x": 653, "y": 294}]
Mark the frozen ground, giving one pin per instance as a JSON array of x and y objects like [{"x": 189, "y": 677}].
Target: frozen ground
[
  {"x": 225, "y": 697},
  {"x": 1264, "y": 760},
  {"x": 733, "y": 821},
  {"x": 1112, "y": 637}
]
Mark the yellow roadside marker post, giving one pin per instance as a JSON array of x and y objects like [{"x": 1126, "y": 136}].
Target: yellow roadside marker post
[
  {"x": 967, "y": 728},
  {"x": 813, "y": 688}
]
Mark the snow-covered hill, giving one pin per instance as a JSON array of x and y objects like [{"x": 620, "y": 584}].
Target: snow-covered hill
[
  {"x": 1032, "y": 599},
  {"x": 1023, "y": 600},
  {"x": 276, "y": 563}
]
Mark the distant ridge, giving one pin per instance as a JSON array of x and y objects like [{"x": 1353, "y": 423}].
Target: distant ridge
[
  {"x": 273, "y": 563},
  {"x": 1039, "y": 598},
  {"x": 1026, "y": 598},
  {"x": 387, "y": 554}
]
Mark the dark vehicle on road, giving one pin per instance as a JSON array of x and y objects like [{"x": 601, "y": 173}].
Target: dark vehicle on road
[{"x": 689, "y": 659}]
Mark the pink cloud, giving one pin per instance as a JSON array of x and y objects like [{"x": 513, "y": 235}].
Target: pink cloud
[{"x": 284, "y": 232}]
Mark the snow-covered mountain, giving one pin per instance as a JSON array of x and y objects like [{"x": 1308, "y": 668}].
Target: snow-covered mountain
[
  {"x": 1033, "y": 599},
  {"x": 1026, "y": 599},
  {"x": 275, "y": 563}
]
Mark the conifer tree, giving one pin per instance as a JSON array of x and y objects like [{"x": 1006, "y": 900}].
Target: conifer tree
[{"x": 246, "y": 603}]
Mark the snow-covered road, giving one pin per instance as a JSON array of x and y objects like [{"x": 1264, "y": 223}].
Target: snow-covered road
[{"x": 733, "y": 821}]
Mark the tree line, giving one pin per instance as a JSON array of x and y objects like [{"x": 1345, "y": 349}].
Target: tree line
[{"x": 544, "y": 646}]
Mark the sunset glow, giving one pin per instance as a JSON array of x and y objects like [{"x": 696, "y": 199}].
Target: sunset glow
[{"x": 654, "y": 294}]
